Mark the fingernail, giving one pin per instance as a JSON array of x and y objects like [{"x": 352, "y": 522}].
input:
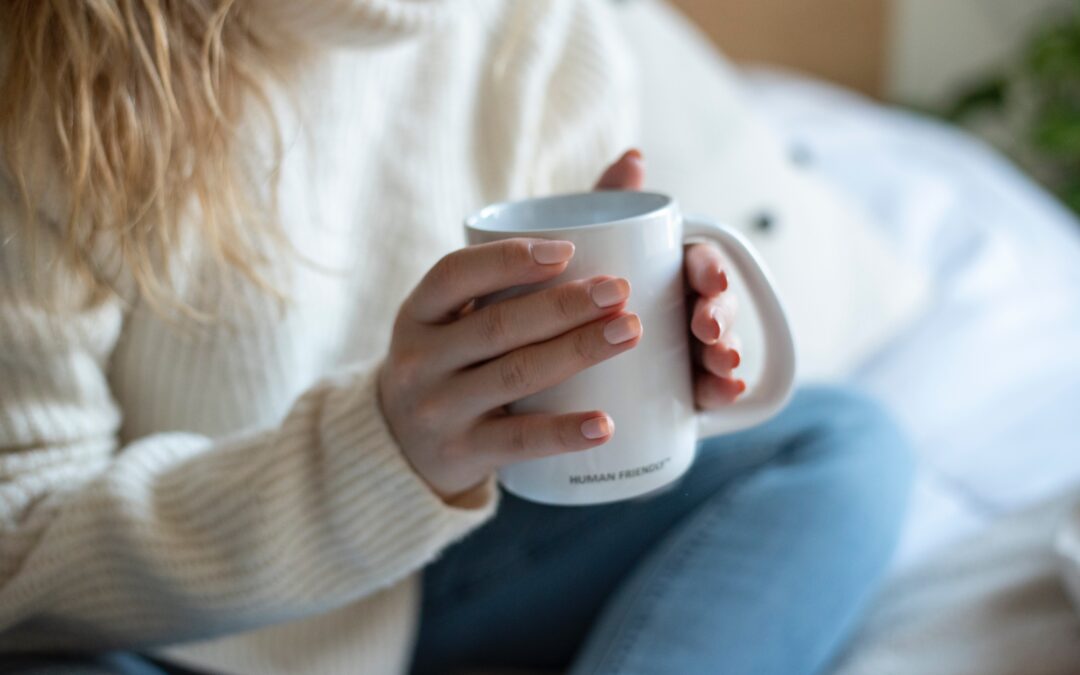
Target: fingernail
[
  {"x": 723, "y": 281},
  {"x": 741, "y": 386},
  {"x": 618, "y": 331},
  {"x": 735, "y": 359},
  {"x": 552, "y": 252},
  {"x": 597, "y": 427},
  {"x": 610, "y": 292},
  {"x": 634, "y": 154}
]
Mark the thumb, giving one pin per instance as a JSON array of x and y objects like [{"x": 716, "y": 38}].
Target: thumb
[{"x": 627, "y": 173}]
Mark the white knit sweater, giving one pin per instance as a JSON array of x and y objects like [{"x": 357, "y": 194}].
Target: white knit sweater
[{"x": 163, "y": 484}]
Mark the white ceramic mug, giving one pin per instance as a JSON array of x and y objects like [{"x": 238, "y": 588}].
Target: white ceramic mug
[{"x": 648, "y": 391}]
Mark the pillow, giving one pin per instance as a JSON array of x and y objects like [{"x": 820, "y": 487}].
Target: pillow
[{"x": 846, "y": 292}]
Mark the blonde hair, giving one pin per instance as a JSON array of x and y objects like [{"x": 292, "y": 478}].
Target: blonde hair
[{"x": 134, "y": 107}]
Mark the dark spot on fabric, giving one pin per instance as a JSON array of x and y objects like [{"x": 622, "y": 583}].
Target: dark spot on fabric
[
  {"x": 764, "y": 222},
  {"x": 801, "y": 155}
]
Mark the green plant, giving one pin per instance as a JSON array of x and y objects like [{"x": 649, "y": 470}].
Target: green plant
[{"x": 1032, "y": 109}]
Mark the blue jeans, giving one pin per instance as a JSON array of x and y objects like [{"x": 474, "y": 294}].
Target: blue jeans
[{"x": 758, "y": 561}]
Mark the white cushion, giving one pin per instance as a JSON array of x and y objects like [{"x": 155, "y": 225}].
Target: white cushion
[
  {"x": 987, "y": 382},
  {"x": 845, "y": 291}
]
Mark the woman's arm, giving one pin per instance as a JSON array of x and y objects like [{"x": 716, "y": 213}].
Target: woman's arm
[{"x": 178, "y": 536}]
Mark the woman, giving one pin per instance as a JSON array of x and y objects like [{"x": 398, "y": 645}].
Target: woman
[{"x": 245, "y": 396}]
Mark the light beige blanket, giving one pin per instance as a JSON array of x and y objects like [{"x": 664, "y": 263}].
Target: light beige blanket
[{"x": 991, "y": 605}]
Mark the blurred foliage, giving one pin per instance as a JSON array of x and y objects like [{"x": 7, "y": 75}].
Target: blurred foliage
[{"x": 1032, "y": 109}]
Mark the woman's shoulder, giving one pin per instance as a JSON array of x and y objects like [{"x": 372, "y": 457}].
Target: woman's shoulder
[
  {"x": 566, "y": 31},
  {"x": 568, "y": 80}
]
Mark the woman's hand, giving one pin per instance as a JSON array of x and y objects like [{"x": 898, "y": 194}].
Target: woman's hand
[
  {"x": 716, "y": 348},
  {"x": 451, "y": 368}
]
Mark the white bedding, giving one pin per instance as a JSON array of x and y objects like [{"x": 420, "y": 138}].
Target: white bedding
[
  {"x": 988, "y": 381},
  {"x": 993, "y": 605}
]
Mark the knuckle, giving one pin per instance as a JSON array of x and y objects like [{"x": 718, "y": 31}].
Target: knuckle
[
  {"x": 452, "y": 451},
  {"x": 583, "y": 344},
  {"x": 406, "y": 367},
  {"x": 565, "y": 303},
  {"x": 726, "y": 314},
  {"x": 513, "y": 253},
  {"x": 707, "y": 251},
  {"x": 445, "y": 272},
  {"x": 517, "y": 439},
  {"x": 566, "y": 434},
  {"x": 697, "y": 255},
  {"x": 492, "y": 325},
  {"x": 428, "y": 413},
  {"x": 515, "y": 373}
]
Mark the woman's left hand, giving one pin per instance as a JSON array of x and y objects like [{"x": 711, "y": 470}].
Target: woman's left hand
[{"x": 715, "y": 346}]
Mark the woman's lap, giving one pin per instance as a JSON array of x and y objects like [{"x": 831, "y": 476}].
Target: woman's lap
[
  {"x": 812, "y": 498},
  {"x": 758, "y": 560}
]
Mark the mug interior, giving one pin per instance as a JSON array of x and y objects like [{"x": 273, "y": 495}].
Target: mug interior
[{"x": 563, "y": 212}]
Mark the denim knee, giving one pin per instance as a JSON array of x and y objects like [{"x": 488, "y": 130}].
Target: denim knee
[
  {"x": 872, "y": 458},
  {"x": 843, "y": 412}
]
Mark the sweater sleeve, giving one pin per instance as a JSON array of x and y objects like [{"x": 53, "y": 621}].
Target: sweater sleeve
[{"x": 177, "y": 536}]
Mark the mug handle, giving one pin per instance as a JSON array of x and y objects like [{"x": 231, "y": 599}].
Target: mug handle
[{"x": 774, "y": 389}]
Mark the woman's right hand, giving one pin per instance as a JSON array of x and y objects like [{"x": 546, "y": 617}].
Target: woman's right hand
[{"x": 452, "y": 368}]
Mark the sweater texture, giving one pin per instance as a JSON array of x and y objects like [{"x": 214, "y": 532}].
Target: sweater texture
[{"x": 230, "y": 493}]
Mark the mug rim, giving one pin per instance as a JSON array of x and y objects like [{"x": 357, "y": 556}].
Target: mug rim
[{"x": 486, "y": 218}]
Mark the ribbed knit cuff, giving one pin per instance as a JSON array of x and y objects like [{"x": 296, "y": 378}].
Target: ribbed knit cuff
[{"x": 386, "y": 506}]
